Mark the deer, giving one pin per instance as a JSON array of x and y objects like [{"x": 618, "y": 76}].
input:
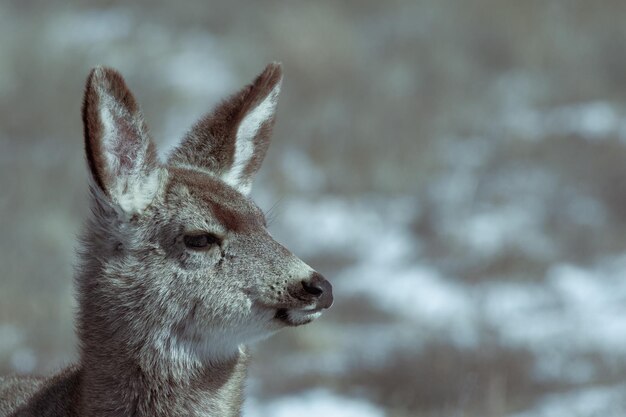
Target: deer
[{"x": 177, "y": 272}]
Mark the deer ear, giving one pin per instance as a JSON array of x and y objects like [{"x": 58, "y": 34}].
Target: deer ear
[
  {"x": 121, "y": 156},
  {"x": 231, "y": 141}
]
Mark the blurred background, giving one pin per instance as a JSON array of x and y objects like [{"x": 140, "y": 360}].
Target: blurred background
[{"x": 457, "y": 169}]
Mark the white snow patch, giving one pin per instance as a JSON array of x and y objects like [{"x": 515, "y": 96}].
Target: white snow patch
[
  {"x": 418, "y": 293},
  {"x": 313, "y": 403},
  {"x": 594, "y": 305},
  {"x": 600, "y": 401},
  {"x": 490, "y": 231},
  {"x": 593, "y": 121},
  {"x": 575, "y": 310},
  {"x": 525, "y": 314},
  {"x": 560, "y": 317},
  {"x": 366, "y": 229}
]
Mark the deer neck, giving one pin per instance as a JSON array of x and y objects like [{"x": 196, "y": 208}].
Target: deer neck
[
  {"x": 129, "y": 371},
  {"x": 114, "y": 385}
]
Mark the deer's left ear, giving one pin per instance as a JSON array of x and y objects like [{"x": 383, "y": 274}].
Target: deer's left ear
[{"x": 231, "y": 141}]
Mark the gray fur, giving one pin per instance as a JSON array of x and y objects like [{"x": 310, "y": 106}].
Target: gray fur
[{"x": 162, "y": 325}]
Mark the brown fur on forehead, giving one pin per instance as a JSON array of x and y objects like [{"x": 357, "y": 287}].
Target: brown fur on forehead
[{"x": 232, "y": 209}]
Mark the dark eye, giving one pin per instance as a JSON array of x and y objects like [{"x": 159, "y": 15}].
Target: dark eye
[{"x": 199, "y": 241}]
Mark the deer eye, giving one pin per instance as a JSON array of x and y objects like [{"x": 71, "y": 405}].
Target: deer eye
[{"x": 200, "y": 241}]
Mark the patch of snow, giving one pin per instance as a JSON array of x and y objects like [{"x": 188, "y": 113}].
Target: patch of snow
[
  {"x": 590, "y": 402},
  {"x": 313, "y": 403},
  {"x": 418, "y": 293},
  {"x": 594, "y": 304},
  {"x": 595, "y": 120},
  {"x": 561, "y": 317},
  {"x": 490, "y": 231},
  {"x": 366, "y": 229},
  {"x": 525, "y": 314},
  {"x": 592, "y": 121},
  {"x": 574, "y": 310}
]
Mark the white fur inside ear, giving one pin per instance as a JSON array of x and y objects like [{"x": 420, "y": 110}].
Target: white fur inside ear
[
  {"x": 109, "y": 132},
  {"x": 135, "y": 193},
  {"x": 125, "y": 148},
  {"x": 244, "y": 141}
]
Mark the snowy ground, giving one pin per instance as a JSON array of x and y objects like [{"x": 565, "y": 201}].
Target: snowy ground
[
  {"x": 567, "y": 315},
  {"x": 313, "y": 404},
  {"x": 561, "y": 317}
]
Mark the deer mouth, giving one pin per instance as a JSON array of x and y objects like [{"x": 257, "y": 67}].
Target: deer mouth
[{"x": 298, "y": 316}]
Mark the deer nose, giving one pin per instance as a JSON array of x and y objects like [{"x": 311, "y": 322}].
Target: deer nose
[{"x": 320, "y": 288}]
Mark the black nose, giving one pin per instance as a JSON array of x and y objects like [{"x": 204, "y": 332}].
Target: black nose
[{"x": 320, "y": 288}]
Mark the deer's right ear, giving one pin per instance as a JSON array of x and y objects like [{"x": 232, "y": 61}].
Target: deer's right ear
[{"x": 121, "y": 156}]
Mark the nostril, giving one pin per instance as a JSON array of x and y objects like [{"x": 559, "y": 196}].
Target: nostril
[
  {"x": 312, "y": 287},
  {"x": 319, "y": 288}
]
